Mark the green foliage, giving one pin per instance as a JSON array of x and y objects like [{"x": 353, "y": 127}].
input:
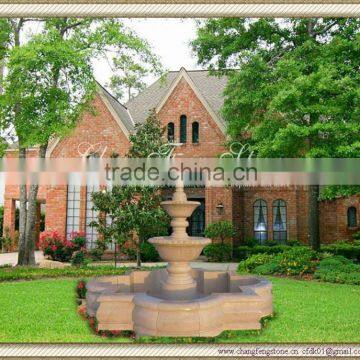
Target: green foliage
[
  {"x": 296, "y": 93},
  {"x": 148, "y": 252},
  {"x": 338, "y": 269},
  {"x": 218, "y": 252},
  {"x": 134, "y": 212},
  {"x": 48, "y": 85},
  {"x": 130, "y": 209},
  {"x": 243, "y": 252},
  {"x": 147, "y": 138},
  {"x": 96, "y": 253},
  {"x": 343, "y": 248},
  {"x": 333, "y": 191},
  {"x": 220, "y": 231},
  {"x": 130, "y": 74},
  {"x": 254, "y": 261},
  {"x": 78, "y": 258},
  {"x": 295, "y": 261},
  {"x": 33, "y": 273}
]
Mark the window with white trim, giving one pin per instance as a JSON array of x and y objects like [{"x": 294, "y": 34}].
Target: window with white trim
[{"x": 72, "y": 209}]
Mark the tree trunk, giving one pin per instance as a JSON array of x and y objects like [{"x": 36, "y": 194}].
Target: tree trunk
[
  {"x": 1, "y": 75},
  {"x": 22, "y": 212},
  {"x": 138, "y": 257},
  {"x": 32, "y": 217},
  {"x": 314, "y": 228}
]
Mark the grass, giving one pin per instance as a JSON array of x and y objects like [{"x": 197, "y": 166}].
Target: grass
[{"x": 305, "y": 311}]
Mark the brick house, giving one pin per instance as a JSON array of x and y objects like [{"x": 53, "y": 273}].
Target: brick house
[{"x": 188, "y": 105}]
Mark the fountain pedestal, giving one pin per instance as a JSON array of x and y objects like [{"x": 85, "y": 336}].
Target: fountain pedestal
[{"x": 178, "y": 300}]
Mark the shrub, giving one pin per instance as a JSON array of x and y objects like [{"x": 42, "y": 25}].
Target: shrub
[
  {"x": 293, "y": 243},
  {"x": 220, "y": 231},
  {"x": 343, "y": 248},
  {"x": 148, "y": 252},
  {"x": 31, "y": 273},
  {"x": 250, "y": 242},
  {"x": 79, "y": 258},
  {"x": 297, "y": 261},
  {"x": 338, "y": 269},
  {"x": 58, "y": 248},
  {"x": 96, "y": 253},
  {"x": 218, "y": 252},
  {"x": 243, "y": 252},
  {"x": 9, "y": 243},
  {"x": 81, "y": 289},
  {"x": 254, "y": 261},
  {"x": 267, "y": 269},
  {"x": 294, "y": 261}
]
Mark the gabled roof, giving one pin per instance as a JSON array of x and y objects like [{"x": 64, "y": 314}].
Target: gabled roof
[
  {"x": 121, "y": 111},
  {"x": 209, "y": 87}
]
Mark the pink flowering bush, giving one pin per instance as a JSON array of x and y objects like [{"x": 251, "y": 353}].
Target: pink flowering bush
[{"x": 58, "y": 248}]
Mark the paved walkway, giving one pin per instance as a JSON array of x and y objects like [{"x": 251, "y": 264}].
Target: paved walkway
[{"x": 11, "y": 258}]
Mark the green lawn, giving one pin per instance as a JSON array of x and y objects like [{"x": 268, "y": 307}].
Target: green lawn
[{"x": 305, "y": 311}]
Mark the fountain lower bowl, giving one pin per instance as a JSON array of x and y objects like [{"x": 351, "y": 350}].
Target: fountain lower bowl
[{"x": 223, "y": 301}]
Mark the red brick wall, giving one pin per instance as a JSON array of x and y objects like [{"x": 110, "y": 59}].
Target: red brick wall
[
  {"x": 333, "y": 219},
  {"x": 93, "y": 129},
  {"x": 238, "y": 203},
  {"x": 296, "y": 213},
  {"x": 100, "y": 127},
  {"x": 183, "y": 101}
]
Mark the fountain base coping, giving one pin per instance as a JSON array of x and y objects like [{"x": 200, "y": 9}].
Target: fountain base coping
[{"x": 240, "y": 306}]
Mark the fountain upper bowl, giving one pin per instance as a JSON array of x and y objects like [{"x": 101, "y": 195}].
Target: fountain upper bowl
[
  {"x": 179, "y": 209},
  {"x": 184, "y": 249}
]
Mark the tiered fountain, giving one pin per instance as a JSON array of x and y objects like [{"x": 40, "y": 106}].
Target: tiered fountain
[{"x": 179, "y": 300}]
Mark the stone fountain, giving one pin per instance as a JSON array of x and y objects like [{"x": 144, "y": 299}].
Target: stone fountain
[{"x": 179, "y": 300}]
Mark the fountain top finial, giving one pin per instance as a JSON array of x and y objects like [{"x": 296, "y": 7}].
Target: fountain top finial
[{"x": 179, "y": 194}]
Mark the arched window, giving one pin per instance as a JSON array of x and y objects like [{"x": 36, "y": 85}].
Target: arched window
[
  {"x": 171, "y": 132},
  {"x": 352, "y": 217},
  {"x": 195, "y": 132},
  {"x": 279, "y": 221},
  {"x": 183, "y": 129},
  {"x": 260, "y": 220}
]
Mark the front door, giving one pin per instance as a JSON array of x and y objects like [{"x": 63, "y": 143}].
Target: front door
[{"x": 197, "y": 219}]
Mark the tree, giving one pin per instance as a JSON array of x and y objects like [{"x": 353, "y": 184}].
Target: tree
[
  {"x": 129, "y": 76},
  {"x": 222, "y": 230},
  {"x": 50, "y": 84},
  {"x": 147, "y": 137},
  {"x": 134, "y": 211},
  {"x": 296, "y": 91}
]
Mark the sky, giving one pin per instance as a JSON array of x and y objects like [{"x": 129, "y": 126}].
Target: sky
[{"x": 169, "y": 39}]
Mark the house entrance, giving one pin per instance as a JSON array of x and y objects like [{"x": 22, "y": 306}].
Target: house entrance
[{"x": 197, "y": 220}]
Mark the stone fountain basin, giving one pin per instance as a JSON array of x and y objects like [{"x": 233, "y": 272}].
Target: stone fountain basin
[{"x": 224, "y": 301}]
